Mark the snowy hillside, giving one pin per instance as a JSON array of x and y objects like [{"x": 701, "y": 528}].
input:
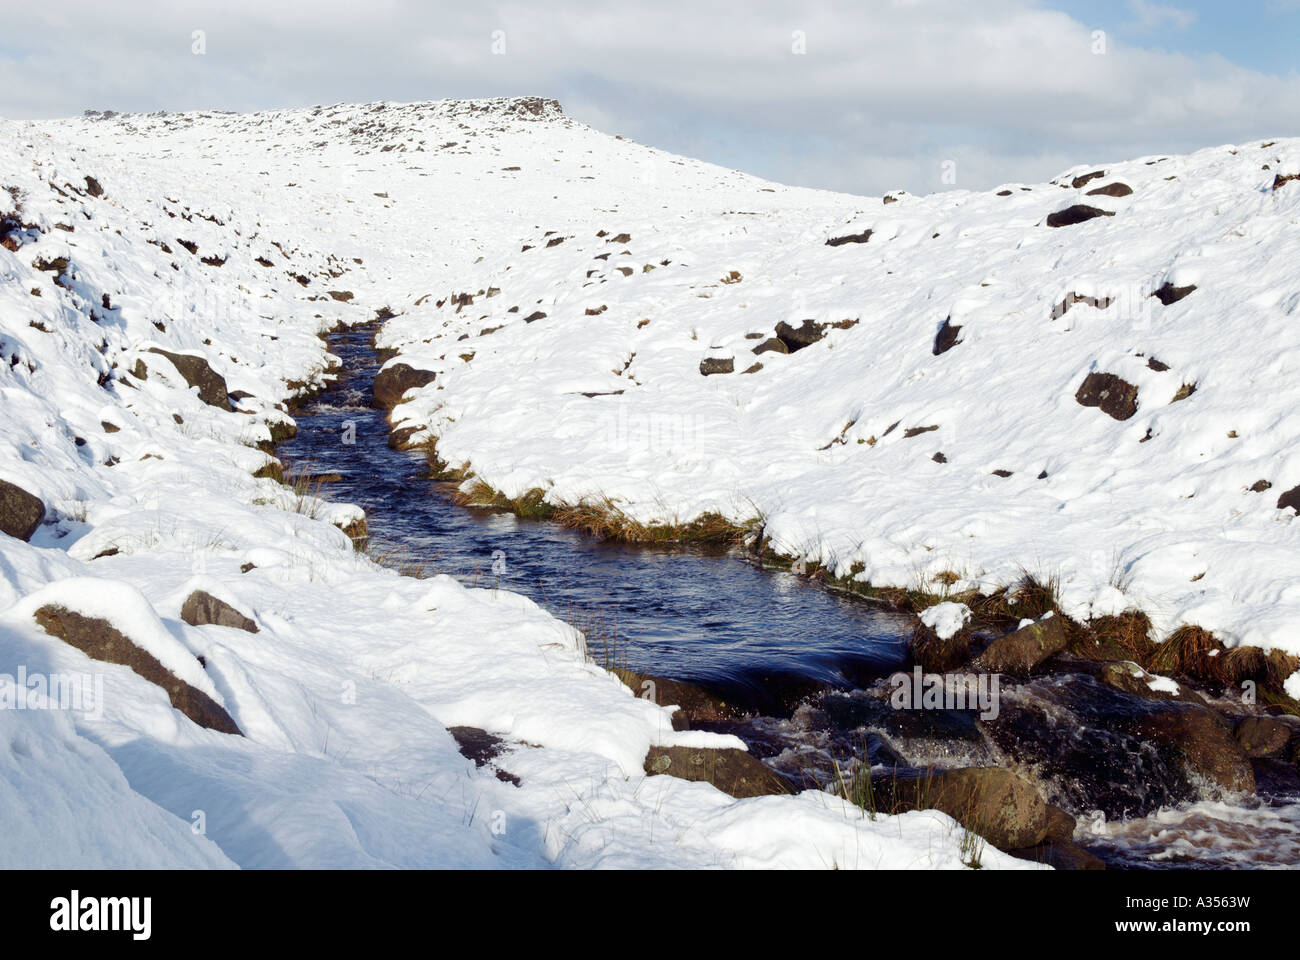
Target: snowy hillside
[
  {"x": 218, "y": 240},
  {"x": 566, "y": 287}
]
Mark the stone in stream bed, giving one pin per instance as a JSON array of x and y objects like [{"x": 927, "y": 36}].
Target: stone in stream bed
[
  {"x": 1131, "y": 678},
  {"x": 395, "y": 379},
  {"x": 1086, "y": 743},
  {"x": 998, "y": 804},
  {"x": 1203, "y": 741},
  {"x": 736, "y": 772},
  {"x": 1263, "y": 737},
  {"x": 696, "y": 707},
  {"x": 1022, "y": 650}
]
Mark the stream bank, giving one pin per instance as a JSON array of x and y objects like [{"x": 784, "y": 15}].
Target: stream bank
[{"x": 800, "y": 671}]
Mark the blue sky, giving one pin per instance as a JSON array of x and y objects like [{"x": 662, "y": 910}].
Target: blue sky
[
  {"x": 1259, "y": 33},
  {"x": 856, "y": 95}
]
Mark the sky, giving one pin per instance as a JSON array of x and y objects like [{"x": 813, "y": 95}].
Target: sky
[{"x": 863, "y": 96}]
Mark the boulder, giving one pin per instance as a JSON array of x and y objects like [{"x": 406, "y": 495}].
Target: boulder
[
  {"x": 1001, "y": 806},
  {"x": 947, "y": 337},
  {"x": 1079, "y": 213},
  {"x": 862, "y": 237},
  {"x": 716, "y": 365},
  {"x": 1204, "y": 743},
  {"x": 804, "y": 335},
  {"x": 1081, "y": 182},
  {"x": 100, "y": 640},
  {"x": 696, "y": 706},
  {"x": 1062, "y": 855},
  {"x": 1290, "y": 499},
  {"x": 1115, "y": 189},
  {"x": 21, "y": 513},
  {"x": 1263, "y": 736},
  {"x": 772, "y": 345},
  {"x": 1115, "y": 397},
  {"x": 203, "y": 608},
  {"x": 1169, "y": 294},
  {"x": 736, "y": 772},
  {"x": 394, "y": 380},
  {"x": 1021, "y": 650},
  {"x": 198, "y": 373},
  {"x": 1131, "y": 678}
]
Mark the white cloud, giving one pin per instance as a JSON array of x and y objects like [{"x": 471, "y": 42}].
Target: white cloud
[{"x": 886, "y": 91}]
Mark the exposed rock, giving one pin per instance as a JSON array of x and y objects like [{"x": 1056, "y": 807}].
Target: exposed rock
[
  {"x": 1116, "y": 189},
  {"x": 1282, "y": 180},
  {"x": 392, "y": 382},
  {"x": 1169, "y": 294},
  {"x": 1081, "y": 182},
  {"x": 93, "y": 187},
  {"x": 716, "y": 365},
  {"x": 401, "y": 438},
  {"x": 862, "y": 237},
  {"x": 1263, "y": 736},
  {"x": 203, "y": 608},
  {"x": 198, "y": 373},
  {"x": 1060, "y": 825},
  {"x": 1061, "y": 855},
  {"x": 1260, "y": 486},
  {"x": 1131, "y": 678},
  {"x": 1021, "y": 650},
  {"x": 1001, "y": 806},
  {"x": 946, "y": 338},
  {"x": 21, "y": 513},
  {"x": 100, "y": 640},
  {"x": 1062, "y": 308},
  {"x": 696, "y": 706},
  {"x": 736, "y": 772},
  {"x": 342, "y": 296},
  {"x": 911, "y": 432},
  {"x": 1079, "y": 213},
  {"x": 805, "y": 335},
  {"x": 1204, "y": 743},
  {"x": 772, "y": 345},
  {"x": 482, "y": 747},
  {"x": 1116, "y": 398},
  {"x": 1290, "y": 499},
  {"x": 535, "y": 315}
]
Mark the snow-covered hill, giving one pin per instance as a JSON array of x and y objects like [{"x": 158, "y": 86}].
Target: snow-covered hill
[
  {"x": 566, "y": 287},
  {"x": 218, "y": 240}
]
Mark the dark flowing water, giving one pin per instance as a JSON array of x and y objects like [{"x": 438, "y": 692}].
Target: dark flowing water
[
  {"x": 806, "y": 664},
  {"x": 701, "y": 615}
]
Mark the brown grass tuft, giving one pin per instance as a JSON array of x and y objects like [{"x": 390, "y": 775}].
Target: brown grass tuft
[{"x": 1188, "y": 652}]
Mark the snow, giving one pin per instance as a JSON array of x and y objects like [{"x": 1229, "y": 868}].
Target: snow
[
  {"x": 347, "y": 692},
  {"x": 946, "y": 619},
  {"x": 1163, "y": 685}
]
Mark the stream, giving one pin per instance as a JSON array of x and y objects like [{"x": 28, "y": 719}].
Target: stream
[{"x": 806, "y": 665}]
